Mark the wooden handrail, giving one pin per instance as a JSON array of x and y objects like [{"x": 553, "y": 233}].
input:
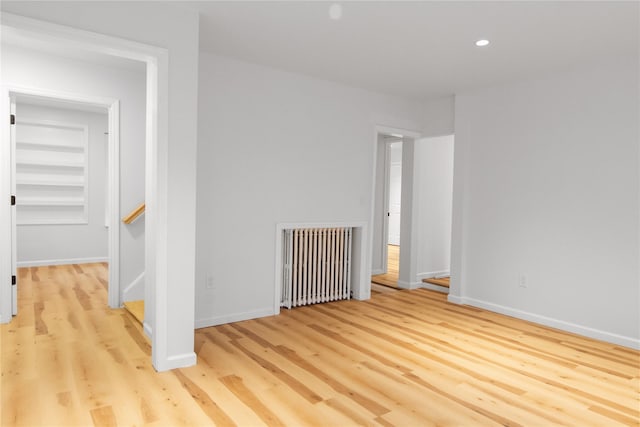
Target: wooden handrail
[{"x": 134, "y": 214}]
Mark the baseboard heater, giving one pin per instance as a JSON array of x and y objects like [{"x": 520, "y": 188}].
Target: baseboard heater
[{"x": 316, "y": 265}]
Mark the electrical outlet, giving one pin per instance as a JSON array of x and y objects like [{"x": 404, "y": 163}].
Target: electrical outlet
[
  {"x": 209, "y": 281},
  {"x": 522, "y": 280}
]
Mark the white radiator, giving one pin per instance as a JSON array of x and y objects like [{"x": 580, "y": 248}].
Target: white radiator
[{"x": 316, "y": 265}]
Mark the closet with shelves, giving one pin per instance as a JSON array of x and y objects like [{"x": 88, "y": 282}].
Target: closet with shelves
[{"x": 51, "y": 172}]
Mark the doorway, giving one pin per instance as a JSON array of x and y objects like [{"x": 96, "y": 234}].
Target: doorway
[
  {"x": 156, "y": 143},
  {"x": 59, "y": 146},
  {"x": 391, "y": 193}
]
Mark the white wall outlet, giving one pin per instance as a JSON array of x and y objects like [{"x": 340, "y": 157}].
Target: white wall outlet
[
  {"x": 523, "y": 281},
  {"x": 209, "y": 281}
]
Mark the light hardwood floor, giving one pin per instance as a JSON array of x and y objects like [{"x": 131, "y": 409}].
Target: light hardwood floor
[
  {"x": 404, "y": 358},
  {"x": 390, "y": 278}
]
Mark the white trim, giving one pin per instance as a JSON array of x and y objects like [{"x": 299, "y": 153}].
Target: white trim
[
  {"x": 156, "y": 210},
  {"x": 433, "y": 287},
  {"x": 386, "y": 193},
  {"x": 72, "y": 97},
  {"x": 6, "y": 214},
  {"x": 549, "y": 321},
  {"x": 409, "y": 285},
  {"x": 377, "y": 272},
  {"x": 148, "y": 331},
  {"x": 14, "y": 209},
  {"x": 76, "y": 38},
  {"x": 386, "y": 130},
  {"x": 361, "y": 289},
  {"x": 433, "y": 274},
  {"x": 135, "y": 290},
  {"x": 235, "y": 317},
  {"x": 113, "y": 186},
  {"x": 177, "y": 361},
  {"x": 40, "y": 263},
  {"x": 454, "y": 299}
]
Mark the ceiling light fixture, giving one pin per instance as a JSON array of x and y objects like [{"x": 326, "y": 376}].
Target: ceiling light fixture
[
  {"x": 482, "y": 42},
  {"x": 335, "y": 11}
]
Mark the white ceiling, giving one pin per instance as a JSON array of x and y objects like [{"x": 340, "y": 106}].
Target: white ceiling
[{"x": 420, "y": 49}]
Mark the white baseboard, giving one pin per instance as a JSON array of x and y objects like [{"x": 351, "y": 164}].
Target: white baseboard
[
  {"x": 433, "y": 287},
  {"x": 409, "y": 285},
  {"x": 549, "y": 321},
  {"x": 430, "y": 274},
  {"x": 147, "y": 330},
  {"x": 235, "y": 317},
  {"x": 455, "y": 299},
  {"x": 377, "y": 271},
  {"x": 364, "y": 295},
  {"x": 40, "y": 263},
  {"x": 135, "y": 290},
  {"x": 177, "y": 361}
]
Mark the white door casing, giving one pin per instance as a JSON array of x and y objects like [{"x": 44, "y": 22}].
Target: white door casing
[
  {"x": 112, "y": 107},
  {"x": 395, "y": 187},
  {"x": 14, "y": 246}
]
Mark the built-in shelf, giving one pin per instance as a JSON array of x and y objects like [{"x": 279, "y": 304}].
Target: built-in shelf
[
  {"x": 50, "y": 201},
  {"x": 49, "y": 145},
  {"x": 51, "y": 172},
  {"x": 51, "y": 163},
  {"x": 50, "y": 182}
]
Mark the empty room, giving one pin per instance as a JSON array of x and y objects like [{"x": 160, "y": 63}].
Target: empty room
[{"x": 320, "y": 213}]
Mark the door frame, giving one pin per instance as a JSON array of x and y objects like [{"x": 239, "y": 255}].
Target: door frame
[
  {"x": 387, "y": 196},
  {"x": 156, "y": 173},
  {"x": 386, "y": 193},
  {"x": 406, "y": 221},
  {"x": 112, "y": 108}
]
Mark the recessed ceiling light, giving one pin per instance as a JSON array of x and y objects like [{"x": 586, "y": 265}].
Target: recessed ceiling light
[
  {"x": 482, "y": 42},
  {"x": 335, "y": 11}
]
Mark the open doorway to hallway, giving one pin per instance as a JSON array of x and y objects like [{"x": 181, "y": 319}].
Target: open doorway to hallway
[
  {"x": 64, "y": 171},
  {"x": 388, "y": 205},
  {"x": 62, "y": 223},
  {"x": 412, "y": 216}
]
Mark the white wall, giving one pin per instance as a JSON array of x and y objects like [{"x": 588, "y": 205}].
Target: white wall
[
  {"x": 44, "y": 244},
  {"x": 438, "y": 118},
  {"x": 435, "y": 180},
  {"x": 276, "y": 147},
  {"x": 547, "y": 187},
  {"x": 22, "y": 67}
]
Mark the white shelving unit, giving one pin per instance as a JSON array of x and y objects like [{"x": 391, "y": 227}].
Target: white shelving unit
[{"x": 51, "y": 172}]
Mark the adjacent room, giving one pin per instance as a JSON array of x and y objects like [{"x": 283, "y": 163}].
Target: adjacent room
[{"x": 320, "y": 213}]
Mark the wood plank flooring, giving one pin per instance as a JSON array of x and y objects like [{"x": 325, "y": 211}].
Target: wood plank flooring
[
  {"x": 403, "y": 358},
  {"x": 390, "y": 278},
  {"x": 136, "y": 308}
]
